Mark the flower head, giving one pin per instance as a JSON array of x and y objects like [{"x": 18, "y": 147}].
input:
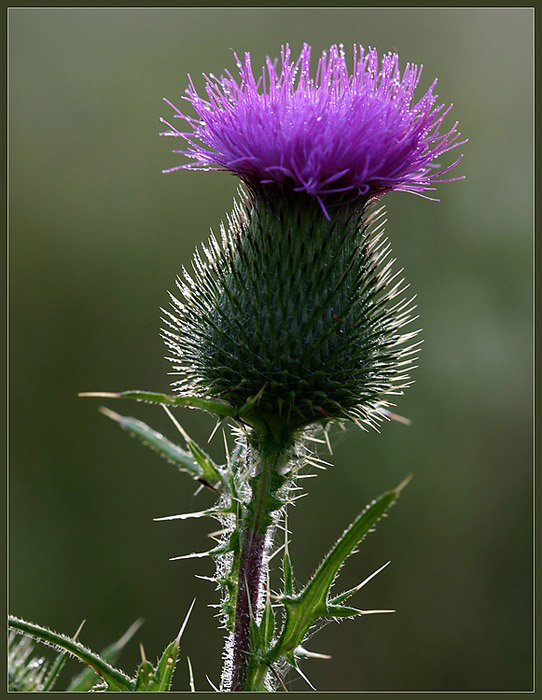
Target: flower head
[
  {"x": 336, "y": 136},
  {"x": 300, "y": 317}
]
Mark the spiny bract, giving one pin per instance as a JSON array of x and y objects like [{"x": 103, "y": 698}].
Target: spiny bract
[{"x": 292, "y": 312}]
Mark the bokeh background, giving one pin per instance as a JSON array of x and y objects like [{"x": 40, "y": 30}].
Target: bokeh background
[{"x": 97, "y": 235}]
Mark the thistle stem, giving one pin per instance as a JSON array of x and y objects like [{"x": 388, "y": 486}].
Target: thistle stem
[
  {"x": 249, "y": 586},
  {"x": 256, "y": 525}
]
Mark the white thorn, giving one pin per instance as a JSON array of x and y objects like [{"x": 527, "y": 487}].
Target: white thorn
[
  {"x": 403, "y": 484},
  {"x": 328, "y": 442},
  {"x": 185, "y": 622},
  {"x": 395, "y": 417},
  {"x": 375, "y": 612},
  {"x": 182, "y": 516},
  {"x": 312, "y": 461},
  {"x": 194, "y": 555},
  {"x": 190, "y": 675},
  {"x": 129, "y": 633},
  {"x": 375, "y": 573},
  {"x": 297, "y": 498},
  {"x": 227, "y": 449},
  {"x": 176, "y": 423},
  {"x": 316, "y": 655},
  {"x": 216, "y": 533},
  {"x": 199, "y": 489},
  {"x": 110, "y": 414},
  {"x": 213, "y": 686},
  {"x": 304, "y": 677},
  {"x": 320, "y": 461},
  {"x": 211, "y": 436},
  {"x": 282, "y": 546}
]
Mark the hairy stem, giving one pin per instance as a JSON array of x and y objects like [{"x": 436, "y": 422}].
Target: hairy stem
[
  {"x": 255, "y": 526},
  {"x": 249, "y": 585}
]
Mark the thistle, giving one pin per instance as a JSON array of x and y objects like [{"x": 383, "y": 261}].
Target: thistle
[{"x": 293, "y": 318}]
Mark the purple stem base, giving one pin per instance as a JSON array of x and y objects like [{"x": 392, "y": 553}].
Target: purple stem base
[{"x": 250, "y": 573}]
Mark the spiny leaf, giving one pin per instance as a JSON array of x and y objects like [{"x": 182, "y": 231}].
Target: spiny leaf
[
  {"x": 320, "y": 584},
  {"x": 201, "y": 468},
  {"x": 342, "y": 611},
  {"x": 312, "y": 602},
  {"x": 337, "y": 600},
  {"x": 146, "y": 678},
  {"x": 210, "y": 470},
  {"x": 54, "y": 671},
  {"x": 216, "y": 407},
  {"x": 115, "y": 679},
  {"x": 87, "y": 678},
  {"x": 288, "y": 573},
  {"x": 166, "y": 665},
  {"x": 267, "y": 627},
  {"x": 159, "y": 679},
  {"x": 58, "y": 664},
  {"x": 25, "y": 671}
]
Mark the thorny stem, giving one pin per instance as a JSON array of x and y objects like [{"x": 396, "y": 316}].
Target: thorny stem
[
  {"x": 256, "y": 524},
  {"x": 249, "y": 585}
]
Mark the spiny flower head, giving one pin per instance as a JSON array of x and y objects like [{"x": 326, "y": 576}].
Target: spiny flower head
[
  {"x": 335, "y": 135},
  {"x": 301, "y": 317}
]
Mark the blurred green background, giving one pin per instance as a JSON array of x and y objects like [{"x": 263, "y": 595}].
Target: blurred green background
[{"x": 97, "y": 235}]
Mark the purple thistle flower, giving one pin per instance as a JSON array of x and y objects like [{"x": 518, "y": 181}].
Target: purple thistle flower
[{"x": 337, "y": 137}]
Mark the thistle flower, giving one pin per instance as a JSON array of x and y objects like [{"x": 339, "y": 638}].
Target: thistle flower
[
  {"x": 295, "y": 310},
  {"x": 338, "y": 136}
]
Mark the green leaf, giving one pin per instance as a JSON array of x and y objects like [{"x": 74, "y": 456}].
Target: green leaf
[
  {"x": 267, "y": 627},
  {"x": 209, "y": 468},
  {"x": 215, "y": 406},
  {"x": 54, "y": 671},
  {"x": 311, "y": 604},
  {"x": 87, "y": 678},
  {"x": 166, "y": 666},
  {"x": 115, "y": 679},
  {"x": 288, "y": 573},
  {"x": 58, "y": 665},
  {"x": 196, "y": 462},
  {"x": 25, "y": 670},
  {"x": 159, "y": 679},
  {"x": 146, "y": 678},
  {"x": 342, "y": 611}
]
